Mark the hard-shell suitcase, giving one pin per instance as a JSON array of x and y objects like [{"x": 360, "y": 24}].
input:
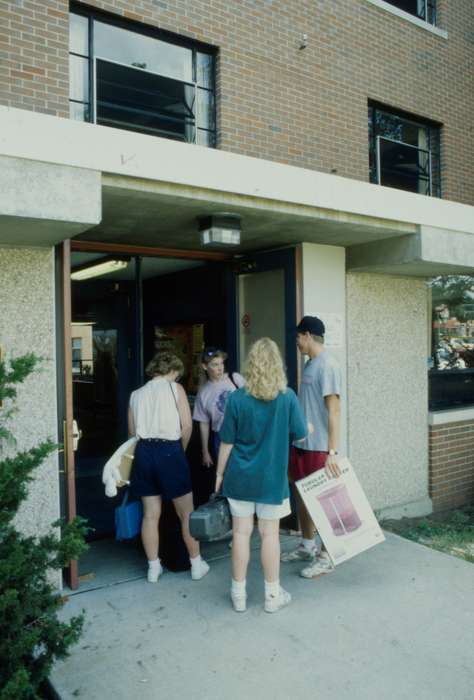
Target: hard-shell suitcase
[{"x": 211, "y": 521}]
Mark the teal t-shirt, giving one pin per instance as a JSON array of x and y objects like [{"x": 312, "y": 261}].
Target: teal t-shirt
[{"x": 260, "y": 432}]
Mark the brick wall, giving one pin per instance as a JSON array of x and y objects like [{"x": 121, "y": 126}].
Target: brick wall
[
  {"x": 305, "y": 107},
  {"x": 34, "y": 64},
  {"x": 452, "y": 464}
]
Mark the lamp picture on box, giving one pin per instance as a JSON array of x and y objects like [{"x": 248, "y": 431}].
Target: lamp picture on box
[{"x": 341, "y": 512}]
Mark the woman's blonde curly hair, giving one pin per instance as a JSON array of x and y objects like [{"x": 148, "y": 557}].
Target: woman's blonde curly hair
[{"x": 264, "y": 371}]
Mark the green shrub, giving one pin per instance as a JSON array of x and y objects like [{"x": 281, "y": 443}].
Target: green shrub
[{"x": 31, "y": 635}]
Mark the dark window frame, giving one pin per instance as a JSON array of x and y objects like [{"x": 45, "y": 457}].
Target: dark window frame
[
  {"x": 428, "y": 13},
  {"x": 434, "y": 150},
  {"x": 196, "y": 46}
]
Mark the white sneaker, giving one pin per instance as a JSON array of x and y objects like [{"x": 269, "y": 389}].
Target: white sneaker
[
  {"x": 321, "y": 565},
  {"x": 199, "y": 570},
  {"x": 154, "y": 573},
  {"x": 239, "y": 601},
  {"x": 299, "y": 554},
  {"x": 276, "y": 602}
]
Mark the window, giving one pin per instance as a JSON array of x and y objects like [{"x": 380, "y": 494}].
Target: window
[
  {"x": 76, "y": 355},
  {"x": 404, "y": 152},
  {"x": 122, "y": 78},
  {"x": 452, "y": 341},
  {"x": 423, "y": 9}
]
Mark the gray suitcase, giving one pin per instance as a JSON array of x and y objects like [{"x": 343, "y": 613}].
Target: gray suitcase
[{"x": 211, "y": 521}]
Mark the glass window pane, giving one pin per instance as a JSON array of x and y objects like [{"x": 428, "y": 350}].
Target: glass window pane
[
  {"x": 79, "y": 34},
  {"x": 388, "y": 125},
  {"x": 431, "y": 6},
  {"x": 79, "y": 111},
  {"x": 411, "y": 6},
  {"x": 453, "y": 322},
  {"x": 205, "y": 109},
  {"x": 204, "y": 70},
  {"x": 147, "y": 53},
  {"x": 424, "y": 9},
  {"x": 404, "y": 167},
  {"x": 78, "y": 78},
  {"x": 129, "y": 98}
]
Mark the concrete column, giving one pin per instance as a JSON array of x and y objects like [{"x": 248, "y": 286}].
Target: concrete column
[{"x": 324, "y": 295}]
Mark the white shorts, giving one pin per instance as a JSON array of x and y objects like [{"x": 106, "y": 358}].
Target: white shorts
[{"x": 264, "y": 511}]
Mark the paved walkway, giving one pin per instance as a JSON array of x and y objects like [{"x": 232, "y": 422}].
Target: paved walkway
[{"x": 395, "y": 623}]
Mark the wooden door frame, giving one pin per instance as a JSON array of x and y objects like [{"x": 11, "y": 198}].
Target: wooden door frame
[
  {"x": 299, "y": 302},
  {"x": 68, "y": 409},
  {"x": 145, "y": 251}
]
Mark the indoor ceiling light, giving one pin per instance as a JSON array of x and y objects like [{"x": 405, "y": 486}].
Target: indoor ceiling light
[
  {"x": 220, "y": 229},
  {"x": 102, "y": 267}
]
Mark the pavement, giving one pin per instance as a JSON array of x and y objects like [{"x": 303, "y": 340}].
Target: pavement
[{"x": 394, "y": 623}]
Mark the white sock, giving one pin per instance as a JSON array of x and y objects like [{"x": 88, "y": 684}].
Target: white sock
[
  {"x": 308, "y": 544},
  {"x": 272, "y": 589},
  {"x": 154, "y": 563},
  {"x": 195, "y": 560},
  {"x": 238, "y": 587}
]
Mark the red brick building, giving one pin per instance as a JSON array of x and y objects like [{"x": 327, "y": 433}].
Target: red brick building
[{"x": 337, "y": 134}]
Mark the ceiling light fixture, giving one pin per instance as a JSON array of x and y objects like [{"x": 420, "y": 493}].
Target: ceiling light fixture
[
  {"x": 220, "y": 230},
  {"x": 97, "y": 269}
]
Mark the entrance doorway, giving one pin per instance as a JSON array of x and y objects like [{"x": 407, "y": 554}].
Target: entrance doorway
[{"x": 119, "y": 319}]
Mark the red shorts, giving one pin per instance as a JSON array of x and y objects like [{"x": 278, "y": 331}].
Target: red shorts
[{"x": 305, "y": 462}]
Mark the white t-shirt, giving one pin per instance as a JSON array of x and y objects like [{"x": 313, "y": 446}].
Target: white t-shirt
[{"x": 154, "y": 410}]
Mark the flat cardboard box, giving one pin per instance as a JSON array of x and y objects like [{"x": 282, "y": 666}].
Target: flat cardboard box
[{"x": 341, "y": 512}]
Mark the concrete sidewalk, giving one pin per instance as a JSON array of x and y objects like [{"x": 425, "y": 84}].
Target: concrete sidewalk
[{"x": 395, "y": 623}]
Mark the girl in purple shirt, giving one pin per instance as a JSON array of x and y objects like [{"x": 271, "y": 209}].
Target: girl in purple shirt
[{"x": 211, "y": 399}]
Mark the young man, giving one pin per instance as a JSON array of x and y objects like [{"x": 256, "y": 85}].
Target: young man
[{"x": 320, "y": 400}]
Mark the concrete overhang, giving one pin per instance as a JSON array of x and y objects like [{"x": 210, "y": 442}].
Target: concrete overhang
[
  {"x": 44, "y": 203},
  {"x": 431, "y": 251},
  {"x": 149, "y": 213},
  {"x": 153, "y": 189}
]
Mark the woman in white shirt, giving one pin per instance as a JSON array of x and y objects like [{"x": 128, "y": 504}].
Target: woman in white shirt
[{"x": 160, "y": 417}]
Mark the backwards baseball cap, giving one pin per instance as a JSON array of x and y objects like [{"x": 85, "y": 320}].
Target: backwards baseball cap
[{"x": 311, "y": 324}]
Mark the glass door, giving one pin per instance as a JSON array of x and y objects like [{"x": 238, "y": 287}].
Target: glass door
[{"x": 266, "y": 296}]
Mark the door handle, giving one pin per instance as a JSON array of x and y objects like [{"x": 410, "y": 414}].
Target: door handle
[
  {"x": 64, "y": 449},
  {"x": 76, "y": 435}
]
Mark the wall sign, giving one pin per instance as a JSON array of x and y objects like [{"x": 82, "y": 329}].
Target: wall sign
[{"x": 245, "y": 321}]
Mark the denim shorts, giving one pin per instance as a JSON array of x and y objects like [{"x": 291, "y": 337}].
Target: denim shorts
[{"x": 160, "y": 468}]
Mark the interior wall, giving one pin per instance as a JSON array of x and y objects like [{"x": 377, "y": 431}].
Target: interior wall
[
  {"x": 324, "y": 295},
  {"x": 27, "y": 325},
  {"x": 388, "y": 390}
]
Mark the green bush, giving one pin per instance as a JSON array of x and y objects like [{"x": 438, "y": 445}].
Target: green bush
[{"x": 31, "y": 635}]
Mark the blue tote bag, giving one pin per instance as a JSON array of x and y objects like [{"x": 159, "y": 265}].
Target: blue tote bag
[{"x": 128, "y": 519}]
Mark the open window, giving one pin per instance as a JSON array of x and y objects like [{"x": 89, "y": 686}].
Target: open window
[
  {"x": 423, "y": 9},
  {"x": 122, "y": 78},
  {"x": 404, "y": 152}
]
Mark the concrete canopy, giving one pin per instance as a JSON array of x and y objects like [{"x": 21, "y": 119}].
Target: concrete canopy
[
  {"x": 430, "y": 252},
  {"x": 152, "y": 190},
  {"x": 143, "y": 212},
  {"x": 44, "y": 203}
]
